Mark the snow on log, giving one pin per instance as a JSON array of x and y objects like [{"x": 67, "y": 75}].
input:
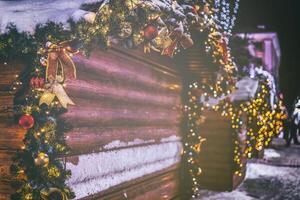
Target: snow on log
[{"x": 99, "y": 171}]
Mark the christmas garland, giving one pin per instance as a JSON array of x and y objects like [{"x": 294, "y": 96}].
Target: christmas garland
[
  {"x": 216, "y": 45},
  {"x": 38, "y": 168},
  {"x": 261, "y": 121},
  {"x": 163, "y": 26}
]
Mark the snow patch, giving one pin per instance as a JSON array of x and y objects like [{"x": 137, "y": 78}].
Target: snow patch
[
  {"x": 26, "y": 14},
  {"x": 98, "y": 171},
  {"x": 170, "y": 139},
  {"x": 119, "y": 144},
  {"x": 234, "y": 195},
  {"x": 271, "y": 153},
  {"x": 255, "y": 170}
]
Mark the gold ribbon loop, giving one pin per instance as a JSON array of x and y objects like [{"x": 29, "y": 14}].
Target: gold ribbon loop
[
  {"x": 56, "y": 90},
  {"x": 59, "y": 62}
]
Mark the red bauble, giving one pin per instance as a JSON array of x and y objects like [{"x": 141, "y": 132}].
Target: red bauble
[
  {"x": 26, "y": 121},
  {"x": 150, "y": 32}
]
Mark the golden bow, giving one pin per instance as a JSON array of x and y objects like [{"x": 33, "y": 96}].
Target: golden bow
[
  {"x": 56, "y": 90},
  {"x": 60, "y": 66},
  {"x": 59, "y": 61},
  {"x": 180, "y": 37}
]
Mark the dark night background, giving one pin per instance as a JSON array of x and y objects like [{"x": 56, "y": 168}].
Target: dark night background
[{"x": 283, "y": 17}]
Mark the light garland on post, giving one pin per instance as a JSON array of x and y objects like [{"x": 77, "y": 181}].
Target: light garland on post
[
  {"x": 261, "y": 120},
  {"x": 216, "y": 45}
]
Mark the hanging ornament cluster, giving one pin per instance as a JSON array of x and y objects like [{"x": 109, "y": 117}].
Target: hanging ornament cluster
[{"x": 157, "y": 26}]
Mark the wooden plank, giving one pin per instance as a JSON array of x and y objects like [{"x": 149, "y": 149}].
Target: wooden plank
[
  {"x": 9, "y": 72},
  {"x": 154, "y": 60},
  {"x": 88, "y": 114},
  {"x": 11, "y": 137},
  {"x": 84, "y": 89},
  {"x": 5, "y": 162},
  {"x": 99, "y": 137},
  {"x": 6, "y": 104},
  {"x": 4, "y": 197},
  {"x": 112, "y": 68}
]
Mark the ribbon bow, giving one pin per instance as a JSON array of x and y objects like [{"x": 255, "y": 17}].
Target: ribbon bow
[
  {"x": 59, "y": 67},
  {"x": 180, "y": 37},
  {"x": 59, "y": 61}
]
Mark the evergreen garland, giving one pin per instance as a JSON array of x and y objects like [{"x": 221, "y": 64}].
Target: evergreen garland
[{"x": 38, "y": 170}]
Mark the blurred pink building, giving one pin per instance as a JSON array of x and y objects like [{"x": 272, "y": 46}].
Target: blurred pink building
[{"x": 265, "y": 46}]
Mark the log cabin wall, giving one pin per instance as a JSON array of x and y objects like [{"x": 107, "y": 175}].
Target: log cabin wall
[
  {"x": 125, "y": 137},
  {"x": 10, "y": 133},
  {"x": 126, "y": 124}
]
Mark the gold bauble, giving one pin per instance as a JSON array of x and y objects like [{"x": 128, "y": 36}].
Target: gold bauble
[{"x": 42, "y": 160}]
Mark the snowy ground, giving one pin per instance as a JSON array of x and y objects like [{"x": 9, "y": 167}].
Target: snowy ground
[
  {"x": 266, "y": 181},
  {"x": 26, "y": 14}
]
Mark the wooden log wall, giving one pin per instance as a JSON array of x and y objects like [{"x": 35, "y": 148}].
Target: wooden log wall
[
  {"x": 216, "y": 158},
  {"x": 125, "y": 136},
  {"x": 10, "y": 133}
]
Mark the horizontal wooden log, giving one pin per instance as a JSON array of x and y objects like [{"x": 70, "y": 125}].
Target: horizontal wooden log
[
  {"x": 11, "y": 137},
  {"x": 166, "y": 89},
  {"x": 6, "y": 104},
  {"x": 5, "y": 187},
  {"x": 122, "y": 104},
  {"x": 11, "y": 134},
  {"x": 153, "y": 59},
  {"x": 89, "y": 114},
  {"x": 99, "y": 138},
  {"x": 5, "y": 162},
  {"x": 124, "y": 71},
  {"x": 7, "y": 76},
  {"x": 4, "y": 196},
  {"x": 6, "y": 99},
  {"x": 79, "y": 88}
]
